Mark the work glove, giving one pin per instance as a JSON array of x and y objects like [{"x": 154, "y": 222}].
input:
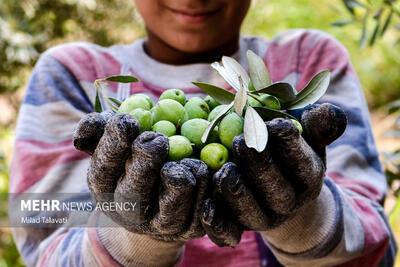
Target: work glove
[
  {"x": 261, "y": 191},
  {"x": 129, "y": 166}
]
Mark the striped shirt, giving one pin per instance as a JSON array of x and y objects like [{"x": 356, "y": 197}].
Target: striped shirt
[{"x": 351, "y": 230}]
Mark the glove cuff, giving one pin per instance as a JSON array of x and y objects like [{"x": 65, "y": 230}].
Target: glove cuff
[
  {"x": 131, "y": 249},
  {"x": 312, "y": 225}
]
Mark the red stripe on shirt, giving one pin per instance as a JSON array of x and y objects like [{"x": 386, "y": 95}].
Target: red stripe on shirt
[
  {"x": 50, "y": 250},
  {"x": 376, "y": 236},
  {"x": 203, "y": 252},
  {"x": 33, "y": 160},
  {"x": 100, "y": 252},
  {"x": 87, "y": 65},
  {"x": 327, "y": 54},
  {"x": 308, "y": 56},
  {"x": 360, "y": 187}
]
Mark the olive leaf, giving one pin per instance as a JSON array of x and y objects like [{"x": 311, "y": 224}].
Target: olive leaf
[
  {"x": 387, "y": 22},
  {"x": 236, "y": 70},
  {"x": 312, "y": 92},
  {"x": 258, "y": 71},
  {"x": 219, "y": 94},
  {"x": 97, "y": 103},
  {"x": 282, "y": 90},
  {"x": 255, "y": 130},
  {"x": 375, "y": 33},
  {"x": 122, "y": 79},
  {"x": 212, "y": 124},
  {"x": 230, "y": 70},
  {"x": 224, "y": 74},
  {"x": 240, "y": 98},
  {"x": 116, "y": 101},
  {"x": 377, "y": 17},
  {"x": 364, "y": 33},
  {"x": 351, "y": 4},
  {"x": 268, "y": 114},
  {"x": 112, "y": 106},
  {"x": 342, "y": 23}
]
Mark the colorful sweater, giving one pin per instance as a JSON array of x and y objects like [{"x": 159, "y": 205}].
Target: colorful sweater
[{"x": 348, "y": 229}]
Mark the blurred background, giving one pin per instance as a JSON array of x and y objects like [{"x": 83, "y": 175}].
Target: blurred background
[{"x": 369, "y": 29}]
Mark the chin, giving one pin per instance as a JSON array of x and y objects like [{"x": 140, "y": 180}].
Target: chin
[{"x": 195, "y": 44}]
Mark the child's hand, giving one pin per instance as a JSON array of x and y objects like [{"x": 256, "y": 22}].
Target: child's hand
[
  {"x": 128, "y": 167},
  {"x": 265, "y": 189}
]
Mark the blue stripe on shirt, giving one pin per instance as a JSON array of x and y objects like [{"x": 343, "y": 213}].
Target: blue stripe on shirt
[{"x": 51, "y": 82}]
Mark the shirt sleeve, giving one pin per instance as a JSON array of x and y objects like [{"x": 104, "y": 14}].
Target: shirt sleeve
[
  {"x": 45, "y": 161},
  {"x": 346, "y": 225}
]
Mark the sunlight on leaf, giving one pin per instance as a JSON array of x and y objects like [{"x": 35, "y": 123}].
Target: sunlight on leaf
[
  {"x": 258, "y": 71},
  {"x": 122, "y": 79},
  {"x": 312, "y": 92},
  {"x": 240, "y": 99},
  {"x": 255, "y": 130}
]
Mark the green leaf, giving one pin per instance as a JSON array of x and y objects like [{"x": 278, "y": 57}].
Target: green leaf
[
  {"x": 255, "y": 130},
  {"x": 214, "y": 123},
  {"x": 258, "y": 71},
  {"x": 377, "y": 17},
  {"x": 351, "y": 4},
  {"x": 235, "y": 70},
  {"x": 364, "y": 37},
  {"x": 284, "y": 91},
  {"x": 122, "y": 79},
  {"x": 231, "y": 70},
  {"x": 394, "y": 215},
  {"x": 268, "y": 114},
  {"x": 116, "y": 101},
  {"x": 342, "y": 23},
  {"x": 112, "y": 106},
  {"x": 97, "y": 103},
  {"x": 251, "y": 86},
  {"x": 219, "y": 94},
  {"x": 387, "y": 22},
  {"x": 313, "y": 91},
  {"x": 394, "y": 106},
  {"x": 240, "y": 99},
  {"x": 375, "y": 33}
]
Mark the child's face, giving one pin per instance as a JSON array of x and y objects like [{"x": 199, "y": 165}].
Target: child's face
[{"x": 193, "y": 26}]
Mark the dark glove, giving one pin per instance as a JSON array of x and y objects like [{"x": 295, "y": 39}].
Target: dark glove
[
  {"x": 265, "y": 189},
  {"x": 128, "y": 167}
]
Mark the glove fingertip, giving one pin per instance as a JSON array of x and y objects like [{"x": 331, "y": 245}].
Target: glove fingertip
[
  {"x": 125, "y": 124},
  {"x": 88, "y": 132},
  {"x": 239, "y": 147},
  {"x": 153, "y": 145},
  {"x": 323, "y": 124},
  {"x": 223, "y": 231},
  {"x": 339, "y": 121}
]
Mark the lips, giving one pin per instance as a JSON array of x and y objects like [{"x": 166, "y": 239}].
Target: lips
[{"x": 193, "y": 15}]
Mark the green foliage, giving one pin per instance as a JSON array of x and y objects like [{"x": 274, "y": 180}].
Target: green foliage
[
  {"x": 28, "y": 27},
  {"x": 392, "y": 159},
  {"x": 9, "y": 255},
  {"x": 377, "y": 67},
  {"x": 375, "y": 18}
]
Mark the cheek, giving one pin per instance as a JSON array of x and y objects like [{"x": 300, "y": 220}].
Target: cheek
[
  {"x": 151, "y": 13},
  {"x": 236, "y": 11}
]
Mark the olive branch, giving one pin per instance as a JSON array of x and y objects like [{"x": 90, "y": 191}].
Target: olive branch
[
  {"x": 257, "y": 86},
  {"x": 250, "y": 97}
]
